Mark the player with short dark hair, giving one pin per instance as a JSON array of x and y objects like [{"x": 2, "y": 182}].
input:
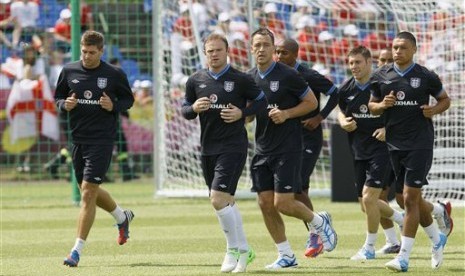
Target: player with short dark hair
[
  {"x": 275, "y": 167},
  {"x": 287, "y": 52},
  {"x": 402, "y": 92},
  {"x": 219, "y": 95},
  {"x": 385, "y": 57},
  {"x": 366, "y": 137},
  {"x": 93, "y": 93}
]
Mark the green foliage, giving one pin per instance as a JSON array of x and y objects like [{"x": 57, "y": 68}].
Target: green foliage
[{"x": 180, "y": 237}]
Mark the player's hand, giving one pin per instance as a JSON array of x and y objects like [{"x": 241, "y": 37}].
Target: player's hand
[
  {"x": 106, "y": 102},
  {"x": 428, "y": 111},
  {"x": 312, "y": 123},
  {"x": 201, "y": 105},
  {"x": 71, "y": 102},
  {"x": 278, "y": 116},
  {"x": 389, "y": 100},
  {"x": 348, "y": 124},
  {"x": 231, "y": 114},
  {"x": 380, "y": 134}
]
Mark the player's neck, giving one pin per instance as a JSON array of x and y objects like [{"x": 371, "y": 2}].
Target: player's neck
[
  {"x": 264, "y": 67},
  {"x": 404, "y": 66}
]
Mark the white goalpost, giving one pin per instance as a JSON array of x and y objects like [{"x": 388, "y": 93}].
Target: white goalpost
[{"x": 325, "y": 31}]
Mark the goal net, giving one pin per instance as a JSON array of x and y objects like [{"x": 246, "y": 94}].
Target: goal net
[{"x": 325, "y": 30}]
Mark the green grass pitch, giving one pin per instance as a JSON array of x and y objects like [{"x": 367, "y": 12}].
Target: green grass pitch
[{"x": 181, "y": 237}]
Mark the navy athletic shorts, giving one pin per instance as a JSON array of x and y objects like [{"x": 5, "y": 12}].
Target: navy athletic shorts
[
  {"x": 222, "y": 171},
  {"x": 278, "y": 172},
  {"x": 371, "y": 173},
  {"x": 411, "y": 167},
  {"x": 91, "y": 162}
]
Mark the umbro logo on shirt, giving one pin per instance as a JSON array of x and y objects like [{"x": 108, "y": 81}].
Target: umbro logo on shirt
[
  {"x": 97, "y": 178},
  {"x": 75, "y": 81},
  {"x": 387, "y": 82},
  {"x": 351, "y": 98},
  {"x": 202, "y": 85}
]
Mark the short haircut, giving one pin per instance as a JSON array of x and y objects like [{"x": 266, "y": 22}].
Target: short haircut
[
  {"x": 291, "y": 45},
  {"x": 408, "y": 36},
  {"x": 263, "y": 31},
  {"x": 362, "y": 50},
  {"x": 93, "y": 38},
  {"x": 215, "y": 36}
]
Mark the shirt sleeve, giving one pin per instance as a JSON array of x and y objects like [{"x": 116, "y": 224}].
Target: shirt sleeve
[
  {"x": 189, "y": 99},
  {"x": 435, "y": 85},
  {"x": 62, "y": 90}
]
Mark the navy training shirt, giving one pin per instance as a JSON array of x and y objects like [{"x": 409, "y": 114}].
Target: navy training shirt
[
  {"x": 89, "y": 122},
  {"x": 353, "y": 102},
  {"x": 406, "y": 126},
  {"x": 228, "y": 86},
  {"x": 284, "y": 88},
  {"x": 319, "y": 84}
]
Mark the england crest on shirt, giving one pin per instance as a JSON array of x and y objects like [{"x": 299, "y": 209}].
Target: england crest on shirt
[
  {"x": 274, "y": 86},
  {"x": 415, "y": 82},
  {"x": 229, "y": 86},
  {"x": 102, "y": 83}
]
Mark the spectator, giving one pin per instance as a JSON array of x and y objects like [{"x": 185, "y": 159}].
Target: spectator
[
  {"x": 325, "y": 50},
  {"x": 347, "y": 42},
  {"x": 273, "y": 22},
  {"x": 222, "y": 27},
  {"x": 26, "y": 12},
  {"x": 87, "y": 19},
  {"x": 238, "y": 51},
  {"x": 307, "y": 38},
  {"x": 56, "y": 65},
  {"x": 7, "y": 22},
  {"x": 62, "y": 31}
]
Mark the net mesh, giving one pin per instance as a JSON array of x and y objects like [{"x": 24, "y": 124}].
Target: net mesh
[
  {"x": 325, "y": 30},
  {"x": 168, "y": 150}
]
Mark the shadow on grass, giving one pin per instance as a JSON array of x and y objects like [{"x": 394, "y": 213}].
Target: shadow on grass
[{"x": 171, "y": 265}]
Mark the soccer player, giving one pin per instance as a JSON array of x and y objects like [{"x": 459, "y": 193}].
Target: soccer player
[
  {"x": 385, "y": 57},
  {"x": 219, "y": 96},
  {"x": 275, "y": 168},
  {"x": 402, "y": 92},
  {"x": 392, "y": 245},
  {"x": 287, "y": 51},
  {"x": 366, "y": 138},
  {"x": 93, "y": 93}
]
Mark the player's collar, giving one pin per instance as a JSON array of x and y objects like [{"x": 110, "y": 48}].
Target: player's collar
[
  {"x": 404, "y": 72},
  {"x": 267, "y": 71},
  {"x": 219, "y": 74},
  {"x": 296, "y": 65}
]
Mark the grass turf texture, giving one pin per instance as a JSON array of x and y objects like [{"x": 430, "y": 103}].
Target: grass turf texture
[{"x": 181, "y": 237}]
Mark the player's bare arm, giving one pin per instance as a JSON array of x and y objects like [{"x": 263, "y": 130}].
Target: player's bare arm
[
  {"x": 201, "y": 105},
  {"x": 378, "y": 106},
  {"x": 347, "y": 123},
  {"x": 443, "y": 103}
]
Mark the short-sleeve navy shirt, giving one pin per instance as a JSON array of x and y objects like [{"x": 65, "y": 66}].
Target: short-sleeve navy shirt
[
  {"x": 319, "y": 84},
  {"x": 284, "y": 88},
  {"x": 230, "y": 86},
  {"x": 406, "y": 126},
  {"x": 353, "y": 102}
]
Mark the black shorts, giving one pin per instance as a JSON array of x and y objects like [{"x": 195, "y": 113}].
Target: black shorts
[
  {"x": 277, "y": 172},
  {"x": 91, "y": 162},
  {"x": 222, "y": 171},
  {"x": 371, "y": 173},
  {"x": 411, "y": 167},
  {"x": 309, "y": 157}
]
